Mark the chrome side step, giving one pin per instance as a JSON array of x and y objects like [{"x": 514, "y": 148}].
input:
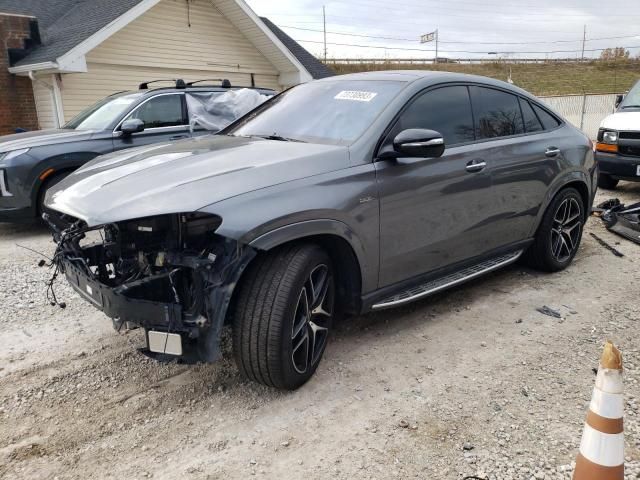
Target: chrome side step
[{"x": 442, "y": 283}]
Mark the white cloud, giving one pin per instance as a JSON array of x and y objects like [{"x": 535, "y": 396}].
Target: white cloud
[{"x": 526, "y": 22}]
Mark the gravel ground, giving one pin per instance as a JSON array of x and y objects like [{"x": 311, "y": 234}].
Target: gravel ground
[{"x": 471, "y": 382}]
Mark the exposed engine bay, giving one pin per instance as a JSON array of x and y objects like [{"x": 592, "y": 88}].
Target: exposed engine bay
[{"x": 170, "y": 274}]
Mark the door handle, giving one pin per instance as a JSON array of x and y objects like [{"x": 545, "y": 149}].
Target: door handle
[
  {"x": 177, "y": 137},
  {"x": 476, "y": 166},
  {"x": 552, "y": 152}
]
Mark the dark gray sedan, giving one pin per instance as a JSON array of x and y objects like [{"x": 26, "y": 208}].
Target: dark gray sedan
[{"x": 340, "y": 196}]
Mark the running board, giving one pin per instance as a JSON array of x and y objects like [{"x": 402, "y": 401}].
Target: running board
[{"x": 442, "y": 283}]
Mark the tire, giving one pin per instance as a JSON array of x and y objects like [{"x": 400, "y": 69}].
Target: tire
[
  {"x": 48, "y": 183},
  {"x": 606, "y": 182},
  {"x": 558, "y": 237},
  {"x": 283, "y": 315}
]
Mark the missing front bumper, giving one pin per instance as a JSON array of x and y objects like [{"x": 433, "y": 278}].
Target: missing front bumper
[{"x": 117, "y": 303}]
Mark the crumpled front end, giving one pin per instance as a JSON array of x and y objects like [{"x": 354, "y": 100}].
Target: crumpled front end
[{"x": 169, "y": 274}]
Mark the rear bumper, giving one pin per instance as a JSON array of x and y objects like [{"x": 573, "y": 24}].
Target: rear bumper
[{"x": 619, "y": 166}]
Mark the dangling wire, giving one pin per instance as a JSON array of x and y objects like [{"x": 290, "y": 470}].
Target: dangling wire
[
  {"x": 189, "y": 13},
  {"x": 51, "y": 293}
]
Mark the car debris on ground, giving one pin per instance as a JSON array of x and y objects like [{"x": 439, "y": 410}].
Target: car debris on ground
[
  {"x": 620, "y": 219},
  {"x": 611, "y": 248}
]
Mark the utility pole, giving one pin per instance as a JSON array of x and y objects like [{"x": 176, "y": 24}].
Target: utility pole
[
  {"x": 324, "y": 21},
  {"x": 436, "y": 60},
  {"x": 584, "y": 41}
]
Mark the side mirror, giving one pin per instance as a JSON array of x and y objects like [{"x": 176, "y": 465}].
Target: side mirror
[
  {"x": 418, "y": 142},
  {"x": 619, "y": 100},
  {"x": 133, "y": 125}
]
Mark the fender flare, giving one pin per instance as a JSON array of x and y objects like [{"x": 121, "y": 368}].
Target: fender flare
[
  {"x": 560, "y": 183},
  {"x": 309, "y": 228},
  {"x": 209, "y": 346}
]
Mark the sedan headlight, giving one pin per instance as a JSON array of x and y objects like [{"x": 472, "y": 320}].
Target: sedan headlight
[
  {"x": 13, "y": 154},
  {"x": 610, "y": 137}
]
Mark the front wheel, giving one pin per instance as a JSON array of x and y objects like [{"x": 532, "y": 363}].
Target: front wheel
[
  {"x": 558, "y": 238},
  {"x": 283, "y": 315}
]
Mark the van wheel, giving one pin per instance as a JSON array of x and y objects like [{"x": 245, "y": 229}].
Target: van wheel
[
  {"x": 606, "y": 182},
  {"x": 283, "y": 315},
  {"x": 558, "y": 238}
]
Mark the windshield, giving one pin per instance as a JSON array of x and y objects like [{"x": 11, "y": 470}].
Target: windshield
[
  {"x": 632, "y": 99},
  {"x": 334, "y": 112},
  {"x": 103, "y": 114}
]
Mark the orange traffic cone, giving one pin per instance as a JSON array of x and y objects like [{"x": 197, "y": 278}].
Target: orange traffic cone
[{"x": 601, "y": 454}]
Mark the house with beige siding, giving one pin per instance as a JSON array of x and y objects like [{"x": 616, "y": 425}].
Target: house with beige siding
[{"x": 75, "y": 52}]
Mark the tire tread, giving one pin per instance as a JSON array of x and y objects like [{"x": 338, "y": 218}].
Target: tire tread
[{"x": 260, "y": 312}]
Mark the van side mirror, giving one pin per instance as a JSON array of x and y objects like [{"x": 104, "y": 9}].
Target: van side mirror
[
  {"x": 418, "y": 142},
  {"x": 619, "y": 100},
  {"x": 133, "y": 125}
]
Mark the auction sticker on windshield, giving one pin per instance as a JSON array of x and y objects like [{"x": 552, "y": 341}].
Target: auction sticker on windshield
[{"x": 356, "y": 96}]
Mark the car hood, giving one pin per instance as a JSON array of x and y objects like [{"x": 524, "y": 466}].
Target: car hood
[
  {"x": 38, "y": 138},
  {"x": 622, "y": 121},
  {"x": 186, "y": 176}
]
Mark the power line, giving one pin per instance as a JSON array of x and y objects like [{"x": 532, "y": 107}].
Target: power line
[
  {"x": 414, "y": 40},
  {"x": 459, "y": 51}
]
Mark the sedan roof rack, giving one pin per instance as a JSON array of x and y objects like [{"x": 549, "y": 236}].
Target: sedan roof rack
[
  {"x": 224, "y": 82},
  {"x": 179, "y": 83}
]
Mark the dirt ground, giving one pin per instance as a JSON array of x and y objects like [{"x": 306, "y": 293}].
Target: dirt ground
[{"x": 474, "y": 381}]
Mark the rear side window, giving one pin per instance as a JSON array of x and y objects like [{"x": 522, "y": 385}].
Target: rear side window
[
  {"x": 497, "y": 113},
  {"x": 548, "y": 121},
  {"x": 161, "y": 111},
  {"x": 531, "y": 122},
  {"x": 446, "y": 110}
]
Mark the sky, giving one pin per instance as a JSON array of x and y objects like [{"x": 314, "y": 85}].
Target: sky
[{"x": 467, "y": 28}]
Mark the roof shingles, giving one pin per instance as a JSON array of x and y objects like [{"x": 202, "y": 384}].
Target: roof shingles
[
  {"x": 64, "y": 24},
  {"x": 315, "y": 67}
]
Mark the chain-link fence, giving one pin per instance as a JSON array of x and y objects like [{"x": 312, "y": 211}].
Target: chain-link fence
[
  {"x": 584, "y": 111},
  {"x": 584, "y": 92}
]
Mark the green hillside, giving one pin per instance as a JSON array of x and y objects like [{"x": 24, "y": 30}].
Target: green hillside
[{"x": 544, "y": 78}]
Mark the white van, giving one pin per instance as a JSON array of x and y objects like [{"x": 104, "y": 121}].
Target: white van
[{"x": 618, "y": 147}]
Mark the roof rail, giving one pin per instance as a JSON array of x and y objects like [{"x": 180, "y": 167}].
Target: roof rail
[
  {"x": 179, "y": 83},
  {"x": 224, "y": 82}
]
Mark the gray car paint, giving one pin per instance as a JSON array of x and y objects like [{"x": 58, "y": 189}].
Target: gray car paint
[{"x": 270, "y": 192}]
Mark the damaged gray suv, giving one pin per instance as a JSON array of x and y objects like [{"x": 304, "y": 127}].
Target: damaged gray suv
[{"x": 334, "y": 198}]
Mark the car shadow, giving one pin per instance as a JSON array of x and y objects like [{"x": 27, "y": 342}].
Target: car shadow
[
  {"x": 17, "y": 231},
  {"x": 632, "y": 188}
]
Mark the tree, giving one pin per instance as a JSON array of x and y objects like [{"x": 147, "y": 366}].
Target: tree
[{"x": 617, "y": 53}]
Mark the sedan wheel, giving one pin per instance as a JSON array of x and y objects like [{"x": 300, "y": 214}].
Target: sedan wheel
[
  {"x": 283, "y": 315},
  {"x": 566, "y": 230},
  {"x": 312, "y": 319},
  {"x": 559, "y": 233}
]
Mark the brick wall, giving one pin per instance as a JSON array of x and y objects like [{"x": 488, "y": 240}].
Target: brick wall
[{"x": 17, "y": 106}]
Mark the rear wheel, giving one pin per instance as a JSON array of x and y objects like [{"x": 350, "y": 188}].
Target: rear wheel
[
  {"x": 283, "y": 315},
  {"x": 606, "y": 182},
  {"x": 559, "y": 235}
]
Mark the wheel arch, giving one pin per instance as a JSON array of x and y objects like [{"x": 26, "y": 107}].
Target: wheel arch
[
  {"x": 342, "y": 245},
  {"x": 577, "y": 180},
  {"x": 43, "y": 184}
]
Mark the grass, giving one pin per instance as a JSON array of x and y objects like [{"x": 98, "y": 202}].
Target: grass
[{"x": 543, "y": 79}]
